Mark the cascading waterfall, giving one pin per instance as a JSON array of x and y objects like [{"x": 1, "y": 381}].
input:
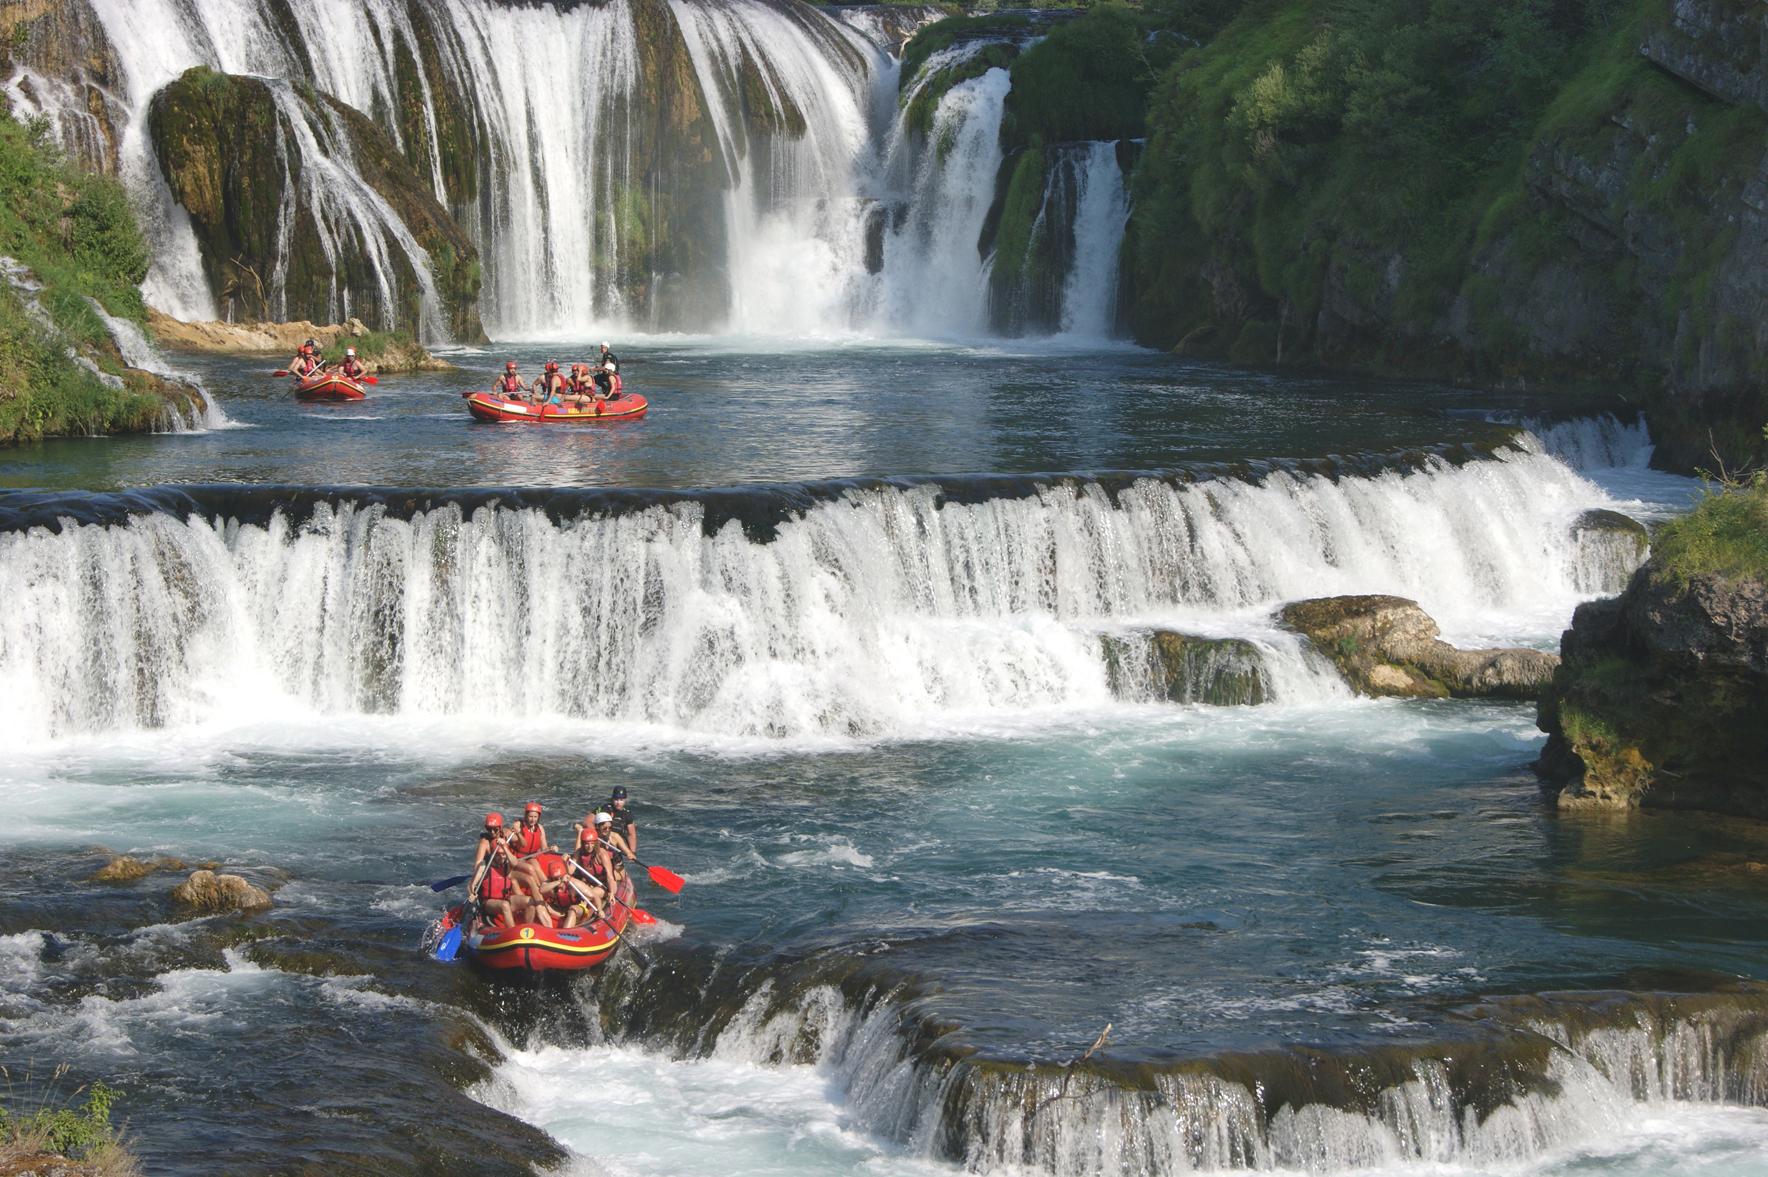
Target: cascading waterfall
[
  {"x": 588, "y": 185},
  {"x": 873, "y": 615},
  {"x": 1089, "y": 296}
]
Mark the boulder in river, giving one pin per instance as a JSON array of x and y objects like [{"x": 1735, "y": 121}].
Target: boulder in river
[
  {"x": 1388, "y": 647},
  {"x": 125, "y": 869},
  {"x": 1662, "y": 699},
  {"x": 205, "y": 891},
  {"x": 1184, "y": 668}
]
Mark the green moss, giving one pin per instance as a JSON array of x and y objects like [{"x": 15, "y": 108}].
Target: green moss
[
  {"x": 918, "y": 112},
  {"x": 943, "y": 34},
  {"x": 1726, "y": 535}
]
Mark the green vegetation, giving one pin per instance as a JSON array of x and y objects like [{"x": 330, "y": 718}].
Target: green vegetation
[
  {"x": 1088, "y": 79},
  {"x": 74, "y": 234},
  {"x": 945, "y": 33},
  {"x": 1725, "y": 536},
  {"x": 82, "y": 1133}
]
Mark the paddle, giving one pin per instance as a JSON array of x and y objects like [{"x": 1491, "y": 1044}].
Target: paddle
[
  {"x": 663, "y": 876},
  {"x": 371, "y": 379},
  {"x": 444, "y": 884},
  {"x": 639, "y": 915},
  {"x": 448, "y": 947},
  {"x": 280, "y": 372}
]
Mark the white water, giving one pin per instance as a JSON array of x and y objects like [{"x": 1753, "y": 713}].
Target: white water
[
  {"x": 834, "y": 1089},
  {"x": 874, "y": 616},
  {"x": 558, "y": 175},
  {"x": 1089, "y": 298}
]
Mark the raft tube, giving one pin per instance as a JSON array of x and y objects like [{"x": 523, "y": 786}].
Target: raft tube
[
  {"x": 489, "y": 406},
  {"x": 534, "y": 948},
  {"x": 329, "y": 386}
]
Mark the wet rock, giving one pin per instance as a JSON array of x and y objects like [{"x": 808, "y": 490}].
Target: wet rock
[
  {"x": 1661, "y": 699},
  {"x": 229, "y": 147},
  {"x": 205, "y": 891},
  {"x": 1610, "y": 546},
  {"x": 125, "y": 869},
  {"x": 1388, "y": 646},
  {"x": 1184, "y": 668},
  {"x": 1720, "y": 46}
]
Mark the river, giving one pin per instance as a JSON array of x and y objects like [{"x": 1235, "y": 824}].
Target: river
[{"x": 837, "y": 614}]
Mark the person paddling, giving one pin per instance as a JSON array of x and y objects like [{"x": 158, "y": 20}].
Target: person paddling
[
  {"x": 607, "y": 367},
  {"x": 549, "y": 388},
  {"x": 592, "y": 856},
  {"x": 581, "y": 386},
  {"x": 561, "y": 905},
  {"x": 352, "y": 368},
  {"x": 622, "y": 819},
  {"x": 510, "y": 385},
  {"x": 306, "y": 362},
  {"x": 527, "y": 840},
  {"x": 491, "y": 873}
]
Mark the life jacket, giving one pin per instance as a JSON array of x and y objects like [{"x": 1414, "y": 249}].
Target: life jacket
[
  {"x": 496, "y": 884},
  {"x": 509, "y": 385},
  {"x": 306, "y": 366},
  {"x": 587, "y": 857},
  {"x": 353, "y": 369},
  {"x": 529, "y": 841},
  {"x": 562, "y": 897},
  {"x": 622, "y": 818}
]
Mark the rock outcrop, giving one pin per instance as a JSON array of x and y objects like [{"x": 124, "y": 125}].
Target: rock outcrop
[
  {"x": 1662, "y": 698},
  {"x": 1388, "y": 646},
  {"x": 282, "y": 339},
  {"x": 1184, "y": 668},
  {"x": 206, "y": 892},
  {"x": 284, "y": 229},
  {"x": 126, "y": 869}
]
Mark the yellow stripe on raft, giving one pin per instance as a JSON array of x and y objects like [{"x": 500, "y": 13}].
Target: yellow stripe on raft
[{"x": 549, "y": 945}]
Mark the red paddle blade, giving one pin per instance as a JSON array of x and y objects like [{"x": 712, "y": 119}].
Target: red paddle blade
[
  {"x": 641, "y": 916},
  {"x": 280, "y": 372},
  {"x": 666, "y": 879},
  {"x": 371, "y": 380}
]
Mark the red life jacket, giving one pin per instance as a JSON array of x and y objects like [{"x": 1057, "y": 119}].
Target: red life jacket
[
  {"x": 587, "y": 857},
  {"x": 496, "y": 884},
  {"x": 509, "y": 385},
  {"x": 529, "y": 841}
]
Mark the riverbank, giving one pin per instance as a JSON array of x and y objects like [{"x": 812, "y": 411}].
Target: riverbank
[{"x": 71, "y": 260}]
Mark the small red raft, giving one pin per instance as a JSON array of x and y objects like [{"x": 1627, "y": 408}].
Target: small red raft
[
  {"x": 329, "y": 386},
  {"x": 490, "y": 406},
  {"x": 535, "y": 948}
]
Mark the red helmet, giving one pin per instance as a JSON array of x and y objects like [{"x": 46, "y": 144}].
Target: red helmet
[
  {"x": 494, "y": 821},
  {"x": 555, "y": 869},
  {"x": 552, "y": 365},
  {"x": 531, "y": 807},
  {"x": 590, "y": 834},
  {"x": 509, "y": 365}
]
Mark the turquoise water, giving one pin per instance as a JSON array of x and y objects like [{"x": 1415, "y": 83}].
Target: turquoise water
[{"x": 927, "y": 844}]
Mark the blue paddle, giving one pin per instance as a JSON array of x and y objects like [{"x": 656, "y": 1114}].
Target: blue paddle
[
  {"x": 444, "y": 884},
  {"x": 448, "y": 947}
]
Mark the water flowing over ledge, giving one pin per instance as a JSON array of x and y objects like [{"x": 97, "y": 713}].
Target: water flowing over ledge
[{"x": 984, "y": 599}]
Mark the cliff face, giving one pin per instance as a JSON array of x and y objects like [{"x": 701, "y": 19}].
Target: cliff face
[
  {"x": 1607, "y": 224},
  {"x": 1662, "y": 694},
  {"x": 285, "y": 232}
]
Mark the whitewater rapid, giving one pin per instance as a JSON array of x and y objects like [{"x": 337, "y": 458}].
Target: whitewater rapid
[{"x": 879, "y": 613}]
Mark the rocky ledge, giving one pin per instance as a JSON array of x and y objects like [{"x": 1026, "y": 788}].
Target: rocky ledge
[
  {"x": 1388, "y": 647},
  {"x": 1662, "y": 698},
  {"x": 389, "y": 353}
]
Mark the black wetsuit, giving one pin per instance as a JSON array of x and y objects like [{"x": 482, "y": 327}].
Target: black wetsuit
[
  {"x": 622, "y": 824},
  {"x": 604, "y": 379}
]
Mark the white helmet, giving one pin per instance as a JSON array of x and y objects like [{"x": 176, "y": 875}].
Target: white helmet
[
  {"x": 349, "y": 351},
  {"x": 604, "y": 345},
  {"x": 604, "y": 818},
  {"x": 608, "y": 367}
]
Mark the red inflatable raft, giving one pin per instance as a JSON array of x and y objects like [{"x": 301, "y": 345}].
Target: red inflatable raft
[
  {"x": 535, "y": 948},
  {"x": 329, "y": 386},
  {"x": 489, "y": 406}
]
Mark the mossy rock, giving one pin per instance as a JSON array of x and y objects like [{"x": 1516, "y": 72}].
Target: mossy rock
[
  {"x": 1185, "y": 668},
  {"x": 219, "y": 140}
]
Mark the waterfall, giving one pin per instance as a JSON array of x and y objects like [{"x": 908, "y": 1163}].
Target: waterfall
[
  {"x": 872, "y": 615},
  {"x": 667, "y": 164},
  {"x": 138, "y": 351},
  {"x": 1089, "y": 297}
]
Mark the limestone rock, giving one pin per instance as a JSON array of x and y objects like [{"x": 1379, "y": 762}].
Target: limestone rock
[
  {"x": 1184, "y": 668},
  {"x": 205, "y": 891},
  {"x": 1662, "y": 699},
  {"x": 281, "y": 339},
  {"x": 1388, "y": 646},
  {"x": 125, "y": 869}
]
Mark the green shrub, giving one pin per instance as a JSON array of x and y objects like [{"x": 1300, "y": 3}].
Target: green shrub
[
  {"x": 1088, "y": 79},
  {"x": 1726, "y": 535}
]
